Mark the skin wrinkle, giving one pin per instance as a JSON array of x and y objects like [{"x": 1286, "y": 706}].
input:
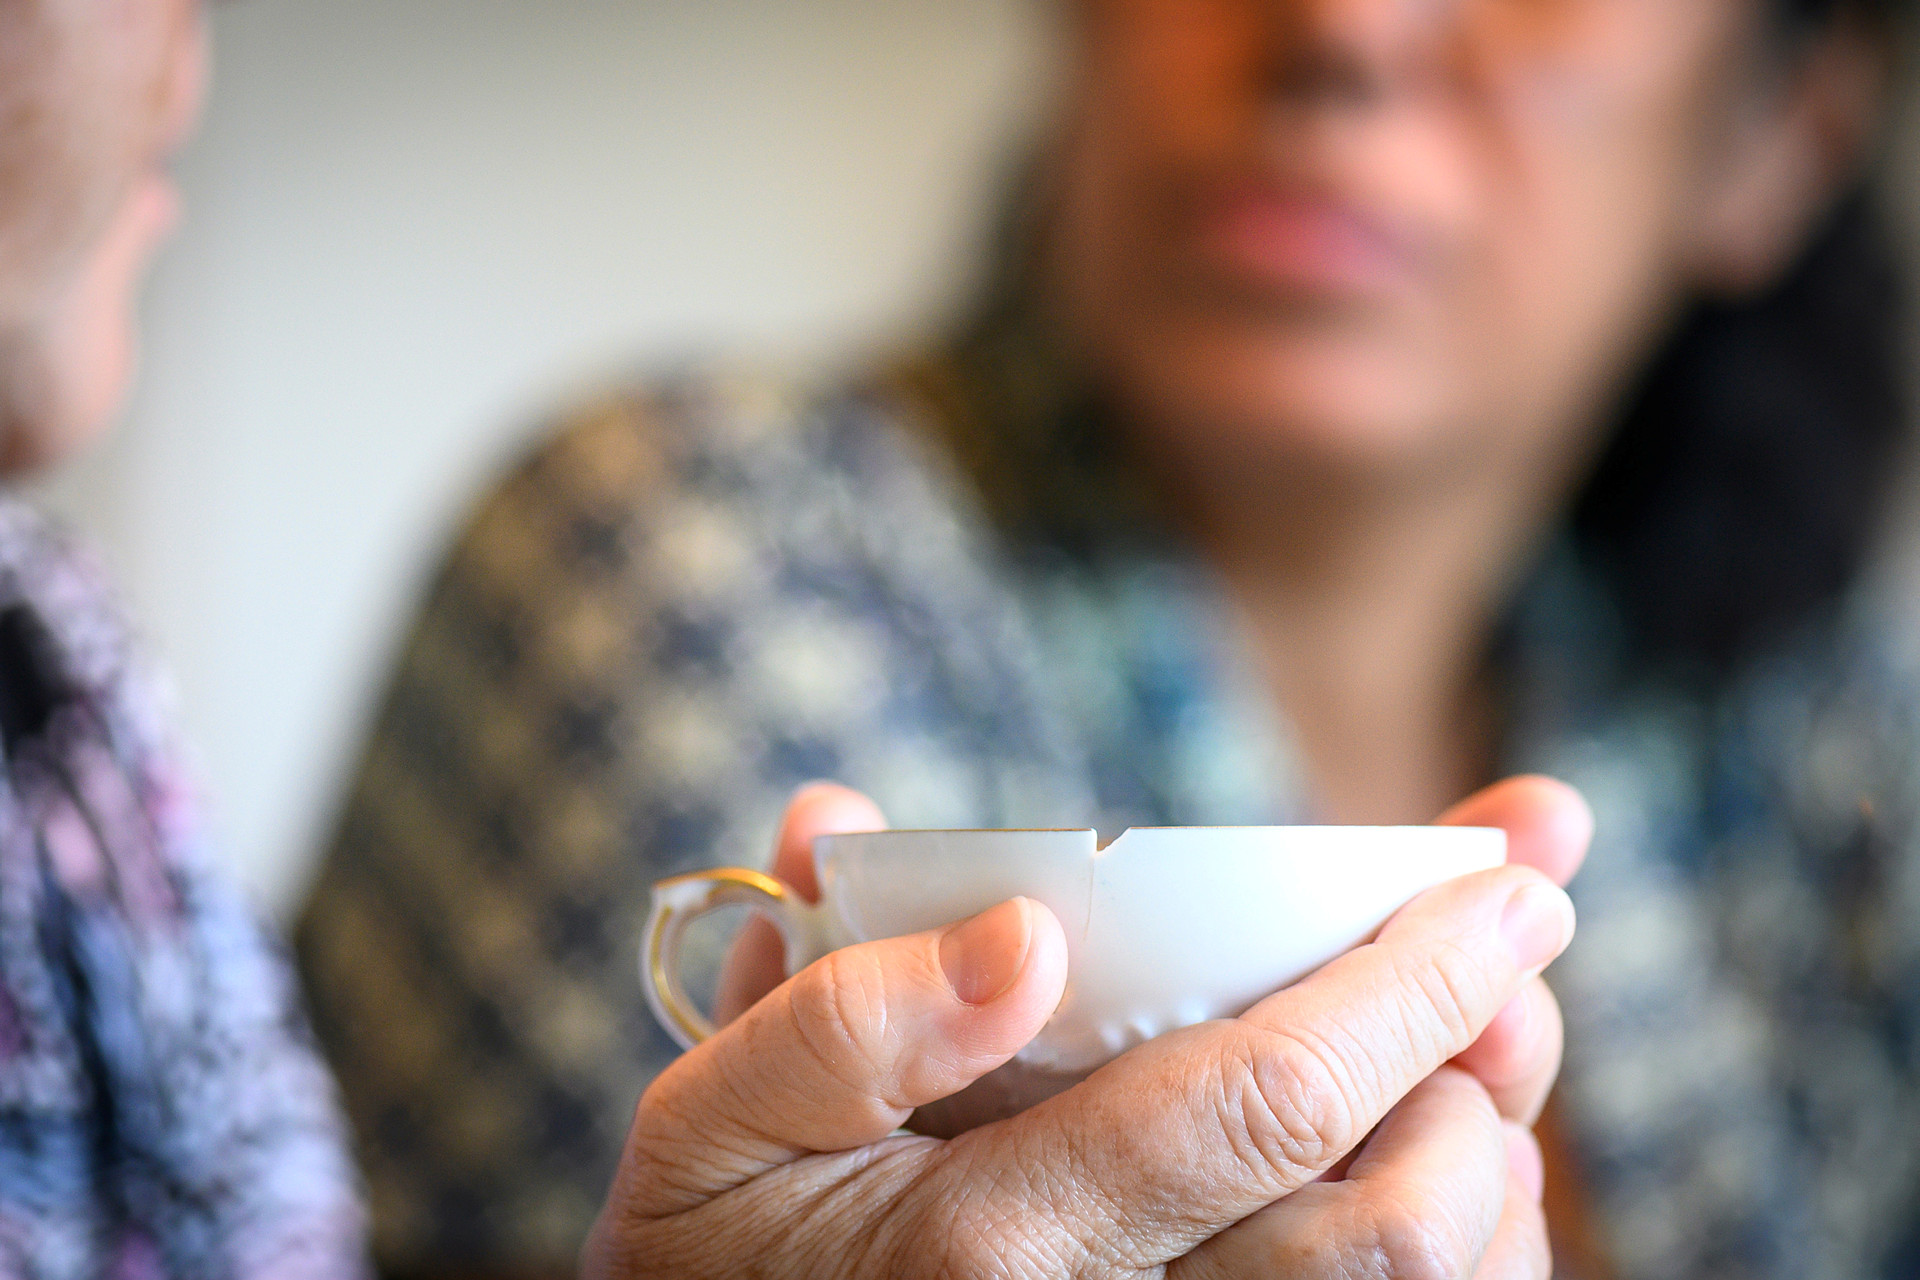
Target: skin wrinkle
[
  {"x": 1411, "y": 1243},
  {"x": 1104, "y": 1225},
  {"x": 1099, "y": 1227},
  {"x": 737, "y": 1212},
  {"x": 1165, "y": 1209},
  {"x": 986, "y": 1227},
  {"x": 843, "y": 1196},
  {"x": 1446, "y": 1227},
  {"x": 1318, "y": 1117},
  {"x": 688, "y": 1156},
  {"x": 910, "y": 1231},
  {"x": 746, "y": 1106},
  {"x": 1059, "y": 1176},
  {"x": 1477, "y": 1133},
  {"x": 1251, "y": 1103},
  {"x": 1449, "y": 986},
  {"x": 1231, "y": 1114},
  {"x": 835, "y": 1026}
]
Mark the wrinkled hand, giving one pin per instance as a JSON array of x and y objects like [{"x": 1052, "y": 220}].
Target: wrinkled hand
[{"x": 1204, "y": 1153}]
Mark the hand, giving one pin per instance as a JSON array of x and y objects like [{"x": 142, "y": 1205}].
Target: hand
[{"x": 768, "y": 1147}]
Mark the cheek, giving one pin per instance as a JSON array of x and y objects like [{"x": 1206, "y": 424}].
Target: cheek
[
  {"x": 1596, "y": 159},
  {"x": 1155, "y": 54},
  {"x": 1160, "y": 87}
]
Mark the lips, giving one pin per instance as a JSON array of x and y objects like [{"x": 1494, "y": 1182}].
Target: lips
[{"x": 1300, "y": 245}]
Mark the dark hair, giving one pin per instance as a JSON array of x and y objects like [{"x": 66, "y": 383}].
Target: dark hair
[
  {"x": 1739, "y": 493},
  {"x": 1741, "y": 489},
  {"x": 1799, "y": 16}
]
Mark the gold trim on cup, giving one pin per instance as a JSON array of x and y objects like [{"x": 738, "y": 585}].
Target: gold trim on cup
[{"x": 725, "y": 886}]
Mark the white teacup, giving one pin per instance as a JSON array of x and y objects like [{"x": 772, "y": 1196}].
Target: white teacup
[{"x": 1166, "y": 926}]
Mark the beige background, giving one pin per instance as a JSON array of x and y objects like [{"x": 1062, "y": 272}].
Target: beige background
[{"x": 413, "y": 224}]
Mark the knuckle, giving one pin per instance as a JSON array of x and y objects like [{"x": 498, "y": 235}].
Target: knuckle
[
  {"x": 1286, "y": 1105},
  {"x": 839, "y": 1012},
  {"x": 1415, "y": 1238}
]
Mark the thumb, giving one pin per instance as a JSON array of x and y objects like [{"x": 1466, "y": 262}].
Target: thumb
[{"x": 842, "y": 1053}]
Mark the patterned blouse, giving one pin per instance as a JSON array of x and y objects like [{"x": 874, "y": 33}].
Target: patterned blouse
[
  {"x": 691, "y": 600},
  {"x": 163, "y": 1112}
]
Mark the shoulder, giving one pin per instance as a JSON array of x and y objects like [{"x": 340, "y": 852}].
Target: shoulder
[
  {"x": 723, "y": 475},
  {"x": 63, "y": 617},
  {"x": 732, "y": 432},
  {"x": 720, "y": 585},
  {"x": 45, "y": 569}
]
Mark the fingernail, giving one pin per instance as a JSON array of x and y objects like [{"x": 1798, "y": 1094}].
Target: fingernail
[
  {"x": 983, "y": 956},
  {"x": 1538, "y": 924},
  {"x": 1524, "y": 1161}
]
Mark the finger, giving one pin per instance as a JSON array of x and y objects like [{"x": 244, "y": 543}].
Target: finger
[
  {"x": 1548, "y": 823},
  {"x": 839, "y": 1055},
  {"x": 1425, "y": 1197},
  {"x": 1518, "y": 1055},
  {"x": 1520, "y": 1249},
  {"x": 756, "y": 962},
  {"x": 818, "y": 809},
  {"x": 1192, "y": 1132}
]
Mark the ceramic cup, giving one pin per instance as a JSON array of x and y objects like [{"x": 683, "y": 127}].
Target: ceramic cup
[{"x": 1166, "y": 926}]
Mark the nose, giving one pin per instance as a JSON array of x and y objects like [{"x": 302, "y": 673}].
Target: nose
[{"x": 1355, "y": 53}]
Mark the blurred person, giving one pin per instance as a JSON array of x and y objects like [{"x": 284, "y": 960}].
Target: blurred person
[
  {"x": 163, "y": 1112},
  {"x": 1372, "y": 398}
]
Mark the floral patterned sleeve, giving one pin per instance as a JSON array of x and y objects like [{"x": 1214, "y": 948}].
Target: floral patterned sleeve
[{"x": 163, "y": 1111}]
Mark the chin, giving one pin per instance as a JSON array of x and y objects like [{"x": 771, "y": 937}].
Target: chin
[
  {"x": 56, "y": 403},
  {"x": 1323, "y": 407}
]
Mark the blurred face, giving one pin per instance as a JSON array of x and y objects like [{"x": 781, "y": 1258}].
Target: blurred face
[
  {"x": 94, "y": 97},
  {"x": 1382, "y": 234}
]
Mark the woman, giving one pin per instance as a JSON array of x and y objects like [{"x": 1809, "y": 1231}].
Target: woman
[
  {"x": 1378, "y": 397},
  {"x": 162, "y": 1111}
]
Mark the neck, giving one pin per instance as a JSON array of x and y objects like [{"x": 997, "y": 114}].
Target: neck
[{"x": 1371, "y": 604}]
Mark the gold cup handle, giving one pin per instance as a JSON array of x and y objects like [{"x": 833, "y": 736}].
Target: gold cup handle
[{"x": 677, "y": 903}]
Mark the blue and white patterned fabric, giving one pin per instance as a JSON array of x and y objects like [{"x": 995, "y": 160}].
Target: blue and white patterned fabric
[{"x": 692, "y": 600}]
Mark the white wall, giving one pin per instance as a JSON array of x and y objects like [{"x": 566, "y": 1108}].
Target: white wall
[{"x": 415, "y": 223}]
